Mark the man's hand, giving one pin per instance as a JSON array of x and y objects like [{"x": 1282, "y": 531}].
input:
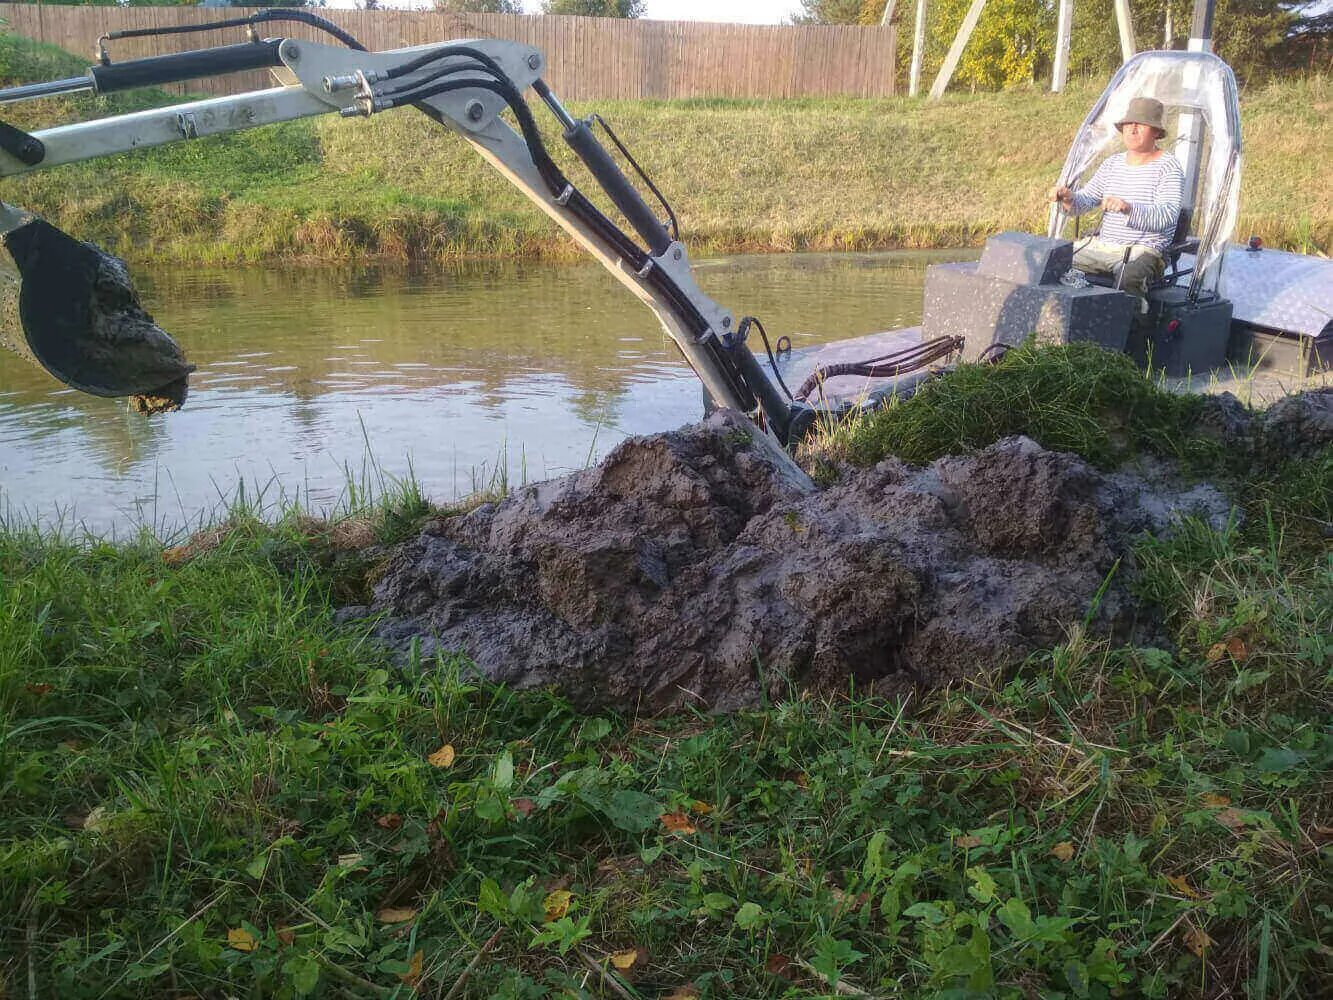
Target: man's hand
[
  {"x": 1063, "y": 195},
  {"x": 1113, "y": 204}
]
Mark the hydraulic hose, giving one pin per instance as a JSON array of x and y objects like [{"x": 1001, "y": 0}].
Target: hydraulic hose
[
  {"x": 729, "y": 366},
  {"x": 259, "y": 17}
]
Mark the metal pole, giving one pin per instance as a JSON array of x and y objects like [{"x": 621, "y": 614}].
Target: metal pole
[
  {"x": 945, "y": 74},
  {"x": 893, "y": 45},
  {"x": 918, "y": 45},
  {"x": 1201, "y": 31},
  {"x": 1060, "y": 74},
  {"x": 1190, "y": 137},
  {"x": 1124, "y": 21},
  {"x": 1168, "y": 28},
  {"x": 52, "y": 88}
]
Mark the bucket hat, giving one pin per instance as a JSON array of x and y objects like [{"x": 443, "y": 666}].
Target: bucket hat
[{"x": 1144, "y": 111}]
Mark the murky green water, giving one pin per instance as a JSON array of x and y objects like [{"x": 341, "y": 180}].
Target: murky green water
[{"x": 313, "y": 377}]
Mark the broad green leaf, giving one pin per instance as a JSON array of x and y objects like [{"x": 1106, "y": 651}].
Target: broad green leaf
[
  {"x": 874, "y": 863},
  {"x": 928, "y": 912},
  {"x": 595, "y": 729},
  {"x": 303, "y": 972},
  {"x": 750, "y": 915},
  {"x": 832, "y": 956},
  {"x": 491, "y": 899},
  {"x": 983, "y": 886},
  {"x": 718, "y": 901},
  {"x": 1275, "y": 760},
  {"x": 956, "y": 960},
  {"x": 631, "y": 811},
  {"x": 1017, "y": 917},
  {"x": 504, "y": 772}
]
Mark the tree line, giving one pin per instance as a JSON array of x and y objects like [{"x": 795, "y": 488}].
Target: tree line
[
  {"x": 1014, "y": 40},
  {"x": 583, "y": 8}
]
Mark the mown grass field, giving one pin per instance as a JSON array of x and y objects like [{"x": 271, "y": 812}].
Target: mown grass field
[
  {"x": 209, "y": 789},
  {"x": 742, "y": 176}
]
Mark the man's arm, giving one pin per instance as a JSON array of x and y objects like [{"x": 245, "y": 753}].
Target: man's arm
[
  {"x": 1089, "y": 196},
  {"x": 1161, "y": 214}
]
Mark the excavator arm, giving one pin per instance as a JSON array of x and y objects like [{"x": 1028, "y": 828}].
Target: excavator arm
[{"x": 465, "y": 86}]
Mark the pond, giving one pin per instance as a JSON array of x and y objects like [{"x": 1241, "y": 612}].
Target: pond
[{"x": 317, "y": 383}]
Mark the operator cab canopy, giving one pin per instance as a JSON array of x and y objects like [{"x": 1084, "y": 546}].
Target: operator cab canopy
[{"x": 1202, "y": 116}]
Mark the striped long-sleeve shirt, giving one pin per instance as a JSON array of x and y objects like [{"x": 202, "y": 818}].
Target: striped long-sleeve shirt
[{"x": 1153, "y": 191}]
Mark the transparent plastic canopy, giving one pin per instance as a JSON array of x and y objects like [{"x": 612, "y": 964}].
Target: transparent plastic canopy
[{"x": 1202, "y": 117}]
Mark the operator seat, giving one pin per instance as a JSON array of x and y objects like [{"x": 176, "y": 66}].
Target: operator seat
[{"x": 1181, "y": 243}]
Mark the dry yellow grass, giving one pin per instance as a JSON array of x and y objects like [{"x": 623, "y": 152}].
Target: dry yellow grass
[{"x": 813, "y": 174}]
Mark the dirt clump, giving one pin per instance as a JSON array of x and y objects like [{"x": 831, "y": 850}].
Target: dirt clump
[
  {"x": 1297, "y": 426},
  {"x": 695, "y": 568}
]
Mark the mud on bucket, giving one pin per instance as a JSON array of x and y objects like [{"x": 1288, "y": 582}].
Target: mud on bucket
[{"x": 83, "y": 323}]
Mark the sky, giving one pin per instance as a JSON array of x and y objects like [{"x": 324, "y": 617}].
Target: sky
[{"x": 734, "y": 11}]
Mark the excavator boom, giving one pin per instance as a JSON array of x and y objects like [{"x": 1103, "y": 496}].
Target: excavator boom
[{"x": 467, "y": 86}]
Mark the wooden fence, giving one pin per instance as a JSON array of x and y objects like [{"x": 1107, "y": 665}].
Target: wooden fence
[{"x": 587, "y": 57}]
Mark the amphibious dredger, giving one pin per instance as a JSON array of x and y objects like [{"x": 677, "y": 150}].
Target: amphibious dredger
[{"x": 82, "y": 321}]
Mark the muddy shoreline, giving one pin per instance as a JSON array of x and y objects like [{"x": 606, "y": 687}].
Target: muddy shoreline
[{"x": 690, "y": 569}]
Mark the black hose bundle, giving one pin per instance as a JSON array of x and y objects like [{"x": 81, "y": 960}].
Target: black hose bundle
[{"x": 886, "y": 366}]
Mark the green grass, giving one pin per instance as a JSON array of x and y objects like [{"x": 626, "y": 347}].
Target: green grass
[
  {"x": 809, "y": 174},
  {"x": 1076, "y": 398},
  {"x": 206, "y": 788}
]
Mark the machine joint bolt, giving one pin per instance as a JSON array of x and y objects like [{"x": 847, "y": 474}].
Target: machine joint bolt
[
  {"x": 534, "y": 61},
  {"x": 475, "y": 111}
]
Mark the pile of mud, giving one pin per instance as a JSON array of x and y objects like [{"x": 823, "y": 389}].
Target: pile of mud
[
  {"x": 697, "y": 568},
  {"x": 1297, "y": 426}
]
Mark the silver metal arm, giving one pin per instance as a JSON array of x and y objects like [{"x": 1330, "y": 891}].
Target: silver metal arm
[{"x": 322, "y": 79}]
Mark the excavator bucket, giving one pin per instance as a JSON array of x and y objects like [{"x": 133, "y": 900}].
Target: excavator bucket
[{"x": 80, "y": 318}]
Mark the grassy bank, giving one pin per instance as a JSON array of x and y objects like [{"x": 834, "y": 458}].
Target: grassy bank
[
  {"x": 742, "y": 175},
  {"x": 208, "y": 788}
]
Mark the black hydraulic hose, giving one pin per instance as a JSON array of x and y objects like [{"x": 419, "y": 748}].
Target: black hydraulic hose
[
  {"x": 581, "y": 207},
  {"x": 444, "y": 52},
  {"x": 259, "y": 17},
  {"x": 467, "y": 67},
  {"x": 743, "y": 329},
  {"x": 888, "y": 366},
  {"x": 675, "y": 226},
  {"x": 555, "y": 180},
  {"x": 415, "y": 94}
]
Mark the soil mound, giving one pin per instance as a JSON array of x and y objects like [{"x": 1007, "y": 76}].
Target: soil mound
[
  {"x": 1297, "y": 426},
  {"x": 694, "y": 567}
]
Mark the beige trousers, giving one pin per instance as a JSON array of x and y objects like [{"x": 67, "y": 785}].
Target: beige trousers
[{"x": 1099, "y": 257}]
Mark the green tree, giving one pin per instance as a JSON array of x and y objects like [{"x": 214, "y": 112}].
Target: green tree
[
  {"x": 595, "y": 8},
  {"x": 479, "y": 6},
  {"x": 830, "y": 12},
  {"x": 1013, "y": 43}
]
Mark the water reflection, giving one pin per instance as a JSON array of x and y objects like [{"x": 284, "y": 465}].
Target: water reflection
[{"x": 454, "y": 374}]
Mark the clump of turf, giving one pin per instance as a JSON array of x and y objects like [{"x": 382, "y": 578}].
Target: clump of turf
[{"x": 1076, "y": 397}]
